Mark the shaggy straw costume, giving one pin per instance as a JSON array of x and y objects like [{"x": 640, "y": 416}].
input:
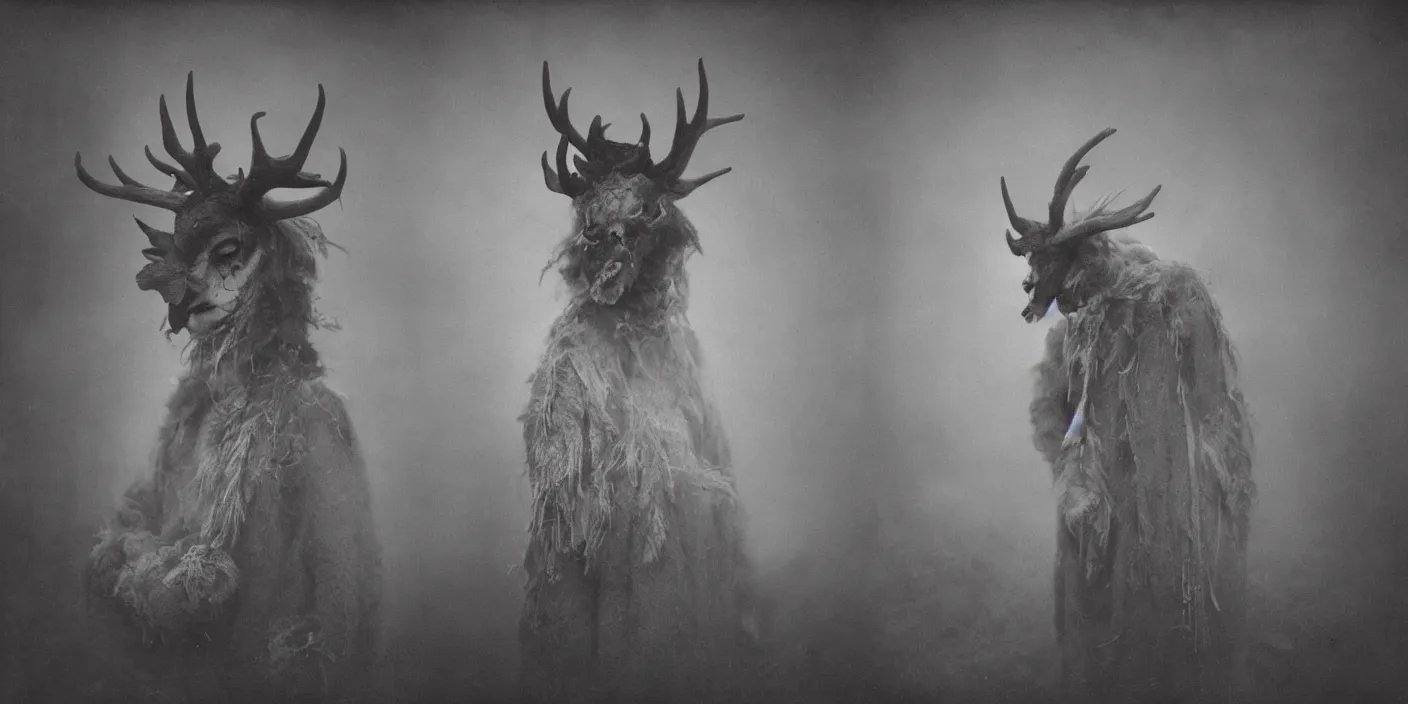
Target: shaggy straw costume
[
  {"x": 245, "y": 568},
  {"x": 1138, "y": 411},
  {"x": 637, "y": 577}
]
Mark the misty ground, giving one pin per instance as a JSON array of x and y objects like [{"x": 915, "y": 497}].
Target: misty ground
[
  {"x": 915, "y": 612},
  {"x": 955, "y": 626}
]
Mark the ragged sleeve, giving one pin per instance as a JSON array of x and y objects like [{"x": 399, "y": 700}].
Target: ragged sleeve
[
  {"x": 342, "y": 554},
  {"x": 556, "y": 429},
  {"x": 713, "y": 446},
  {"x": 1051, "y": 408},
  {"x": 137, "y": 519},
  {"x": 1224, "y": 436},
  {"x": 709, "y": 433}
]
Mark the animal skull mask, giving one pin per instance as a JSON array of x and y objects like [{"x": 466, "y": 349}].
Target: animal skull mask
[
  {"x": 200, "y": 267},
  {"x": 1051, "y": 247}
]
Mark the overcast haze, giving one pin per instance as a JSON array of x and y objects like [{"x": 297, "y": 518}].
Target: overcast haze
[{"x": 857, "y": 307}]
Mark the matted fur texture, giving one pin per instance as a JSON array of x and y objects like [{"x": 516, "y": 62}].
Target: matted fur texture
[
  {"x": 247, "y": 562},
  {"x": 1156, "y": 486},
  {"x": 637, "y": 573}
]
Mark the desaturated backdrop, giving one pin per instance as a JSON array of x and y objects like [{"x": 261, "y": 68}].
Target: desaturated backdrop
[
  {"x": 857, "y": 306},
  {"x": 448, "y": 225},
  {"x": 1277, "y": 134}
]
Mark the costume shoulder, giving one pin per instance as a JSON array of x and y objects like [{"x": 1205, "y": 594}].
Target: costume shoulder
[
  {"x": 574, "y": 372},
  {"x": 320, "y": 434},
  {"x": 323, "y": 406},
  {"x": 1184, "y": 289}
]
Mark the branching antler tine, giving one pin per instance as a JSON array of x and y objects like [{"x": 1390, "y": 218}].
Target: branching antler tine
[
  {"x": 701, "y": 110},
  {"x": 694, "y": 141},
  {"x": 596, "y": 132},
  {"x": 122, "y": 176},
  {"x": 196, "y": 133},
  {"x": 134, "y": 193},
  {"x": 1056, "y": 215},
  {"x": 668, "y": 166},
  {"x": 562, "y": 173},
  {"x": 1120, "y": 219},
  {"x": 172, "y": 142},
  {"x": 644, "y": 131},
  {"x": 1023, "y": 226},
  {"x": 259, "y": 160},
  {"x": 550, "y": 177},
  {"x": 685, "y": 186},
  {"x": 180, "y": 175},
  {"x": 557, "y": 112},
  {"x": 1063, "y": 197},
  {"x": 688, "y": 133},
  {"x": 565, "y": 126},
  {"x": 160, "y": 165},
  {"x": 720, "y": 121},
  {"x": 158, "y": 238},
  {"x": 283, "y": 211},
  {"x": 305, "y": 144}
]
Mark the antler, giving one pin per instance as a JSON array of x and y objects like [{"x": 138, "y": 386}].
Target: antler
[
  {"x": 198, "y": 172},
  {"x": 687, "y": 135},
  {"x": 1132, "y": 215},
  {"x": 267, "y": 173},
  {"x": 199, "y": 162},
  {"x": 131, "y": 190},
  {"x": 1035, "y": 234},
  {"x": 596, "y": 148}
]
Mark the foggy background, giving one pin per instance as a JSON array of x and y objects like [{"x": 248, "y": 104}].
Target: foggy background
[
  {"x": 1277, "y": 133},
  {"x": 448, "y": 225},
  {"x": 857, "y": 307}
]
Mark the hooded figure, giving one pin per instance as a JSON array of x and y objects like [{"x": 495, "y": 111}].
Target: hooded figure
[
  {"x": 1138, "y": 411},
  {"x": 245, "y": 566},
  {"x": 638, "y": 582}
]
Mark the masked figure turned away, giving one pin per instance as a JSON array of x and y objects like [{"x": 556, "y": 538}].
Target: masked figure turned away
[
  {"x": 638, "y": 583},
  {"x": 245, "y": 567},
  {"x": 1138, "y": 411}
]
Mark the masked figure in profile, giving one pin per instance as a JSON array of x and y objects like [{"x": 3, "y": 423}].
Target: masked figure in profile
[{"x": 1139, "y": 412}]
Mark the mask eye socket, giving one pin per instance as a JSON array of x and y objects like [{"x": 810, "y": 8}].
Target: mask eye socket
[{"x": 226, "y": 251}]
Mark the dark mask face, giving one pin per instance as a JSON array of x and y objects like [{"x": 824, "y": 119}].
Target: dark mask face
[
  {"x": 203, "y": 265},
  {"x": 621, "y": 223},
  {"x": 1046, "y": 280},
  {"x": 202, "y": 271},
  {"x": 1051, "y": 248}
]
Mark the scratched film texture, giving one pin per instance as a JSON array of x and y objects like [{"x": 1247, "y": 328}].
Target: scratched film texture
[{"x": 858, "y": 311}]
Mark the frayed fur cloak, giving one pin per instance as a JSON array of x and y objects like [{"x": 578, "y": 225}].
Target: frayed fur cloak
[
  {"x": 1155, "y": 482},
  {"x": 637, "y": 574},
  {"x": 245, "y": 567}
]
